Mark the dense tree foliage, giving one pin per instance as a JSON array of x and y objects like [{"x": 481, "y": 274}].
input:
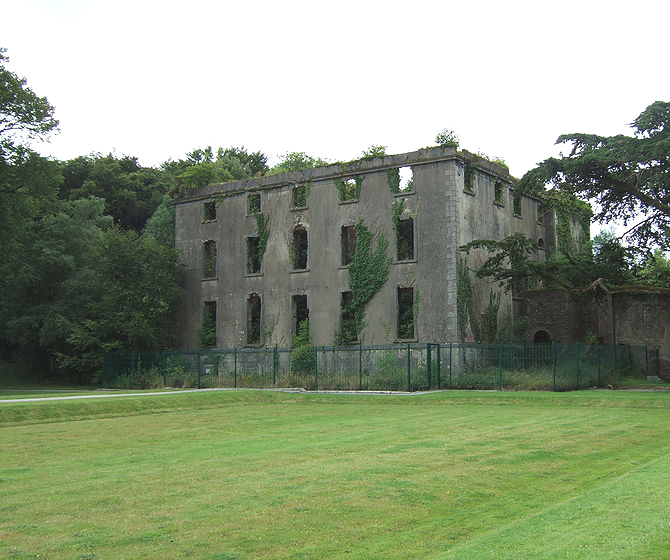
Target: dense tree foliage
[
  {"x": 627, "y": 176},
  {"x": 513, "y": 262},
  {"x": 131, "y": 192}
]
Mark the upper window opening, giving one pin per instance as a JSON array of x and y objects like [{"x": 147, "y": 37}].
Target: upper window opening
[
  {"x": 348, "y": 244},
  {"x": 210, "y": 211},
  {"x": 517, "y": 204},
  {"x": 540, "y": 214},
  {"x": 254, "y": 204},
  {"x": 349, "y": 189},
  {"x": 300, "y": 194},
  {"x": 253, "y": 254},
  {"x": 498, "y": 192},
  {"x": 299, "y": 248},
  {"x": 400, "y": 179},
  {"x": 209, "y": 268},
  {"x": 469, "y": 179},
  {"x": 405, "y": 239}
]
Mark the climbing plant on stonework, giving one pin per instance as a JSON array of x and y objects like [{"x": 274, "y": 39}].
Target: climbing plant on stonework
[
  {"x": 262, "y": 221},
  {"x": 368, "y": 272}
]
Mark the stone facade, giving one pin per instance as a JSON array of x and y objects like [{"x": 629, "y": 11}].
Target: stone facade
[{"x": 456, "y": 197}]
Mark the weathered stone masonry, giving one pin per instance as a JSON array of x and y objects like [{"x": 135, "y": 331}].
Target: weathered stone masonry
[{"x": 260, "y": 305}]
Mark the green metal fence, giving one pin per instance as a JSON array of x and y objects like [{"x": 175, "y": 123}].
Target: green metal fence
[{"x": 406, "y": 367}]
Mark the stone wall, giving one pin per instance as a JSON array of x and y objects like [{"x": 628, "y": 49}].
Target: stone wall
[{"x": 644, "y": 319}]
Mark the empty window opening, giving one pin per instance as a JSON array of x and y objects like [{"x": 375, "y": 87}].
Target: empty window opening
[
  {"x": 469, "y": 179},
  {"x": 299, "y": 248},
  {"x": 209, "y": 268},
  {"x": 498, "y": 192},
  {"x": 253, "y": 254},
  {"x": 540, "y": 214},
  {"x": 349, "y": 189},
  {"x": 348, "y": 244},
  {"x": 300, "y": 312},
  {"x": 347, "y": 319},
  {"x": 210, "y": 211},
  {"x": 405, "y": 239},
  {"x": 300, "y": 193},
  {"x": 253, "y": 204},
  {"x": 540, "y": 243},
  {"x": 208, "y": 329},
  {"x": 517, "y": 204},
  {"x": 406, "y": 179},
  {"x": 541, "y": 337},
  {"x": 405, "y": 313},
  {"x": 254, "y": 319}
]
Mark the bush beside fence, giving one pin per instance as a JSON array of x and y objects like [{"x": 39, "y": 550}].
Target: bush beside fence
[{"x": 407, "y": 367}]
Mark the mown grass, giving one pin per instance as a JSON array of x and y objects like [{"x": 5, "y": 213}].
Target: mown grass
[{"x": 254, "y": 474}]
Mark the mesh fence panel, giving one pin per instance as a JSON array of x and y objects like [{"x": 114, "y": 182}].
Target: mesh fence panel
[{"x": 406, "y": 367}]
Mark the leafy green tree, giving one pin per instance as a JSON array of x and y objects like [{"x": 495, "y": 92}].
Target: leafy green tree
[
  {"x": 161, "y": 224},
  {"x": 627, "y": 176},
  {"x": 24, "y": 116},
  {"x": 131, "y": 192},
  {"x": 297, "y": 161},
  {"x": 656, "y": 270},
  {"x": 201, "y": 168}
]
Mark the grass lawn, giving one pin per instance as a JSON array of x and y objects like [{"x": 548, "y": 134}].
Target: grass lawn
[{"x": 252, "y": 474}]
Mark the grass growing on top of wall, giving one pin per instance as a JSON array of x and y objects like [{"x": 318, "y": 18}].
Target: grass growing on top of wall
[{"x": 253, "y": 474}]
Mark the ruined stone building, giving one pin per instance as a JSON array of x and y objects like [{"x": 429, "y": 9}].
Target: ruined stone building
[{"x": 264, "y": 254}]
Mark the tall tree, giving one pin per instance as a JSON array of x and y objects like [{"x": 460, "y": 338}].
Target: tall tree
[
  {"x": 24, "y": 116},
  {"x": 627, "y": 176},
  {"x": 131, "y": 192}
]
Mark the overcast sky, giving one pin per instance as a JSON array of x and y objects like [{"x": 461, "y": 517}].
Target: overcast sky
[{"x": 157, "y": 79}]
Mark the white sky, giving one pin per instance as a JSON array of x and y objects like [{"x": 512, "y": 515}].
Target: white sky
[{"x": 157, "y": 79}]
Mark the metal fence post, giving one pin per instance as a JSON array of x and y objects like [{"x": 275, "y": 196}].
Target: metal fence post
[
  {"x": 360, "y": 367},
  {"x": 646, "y": 360},
  {"x": 451, "y": 363},
  {"x": 577, "y": 364},
  {"x": 316, "y": 368},
  {"x": 598, "y": 370},
  {"x": 429, "y": 359},
  {"x": 275, "y": 359},
  {"x": 553, "y": 363},
  {"x": 235, "y": 369},
  {"x": 197, "y": 383},
  {"x": 439, "y": 367},
  {"x": 409, "y": 370},
  {"x": 500, "y": 373}
]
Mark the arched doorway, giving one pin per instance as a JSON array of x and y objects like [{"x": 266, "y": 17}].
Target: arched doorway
[{"x": 541, "y": 337}]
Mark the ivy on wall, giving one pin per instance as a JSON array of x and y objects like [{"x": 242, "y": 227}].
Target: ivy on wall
[
  {"x": 569, "y": 207},
  {"x": 368, "y": 272},
  {"x": 483, "y": 328},
  {"x": 393, "y": 179},
  {"x": 262, "y": 221}
]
